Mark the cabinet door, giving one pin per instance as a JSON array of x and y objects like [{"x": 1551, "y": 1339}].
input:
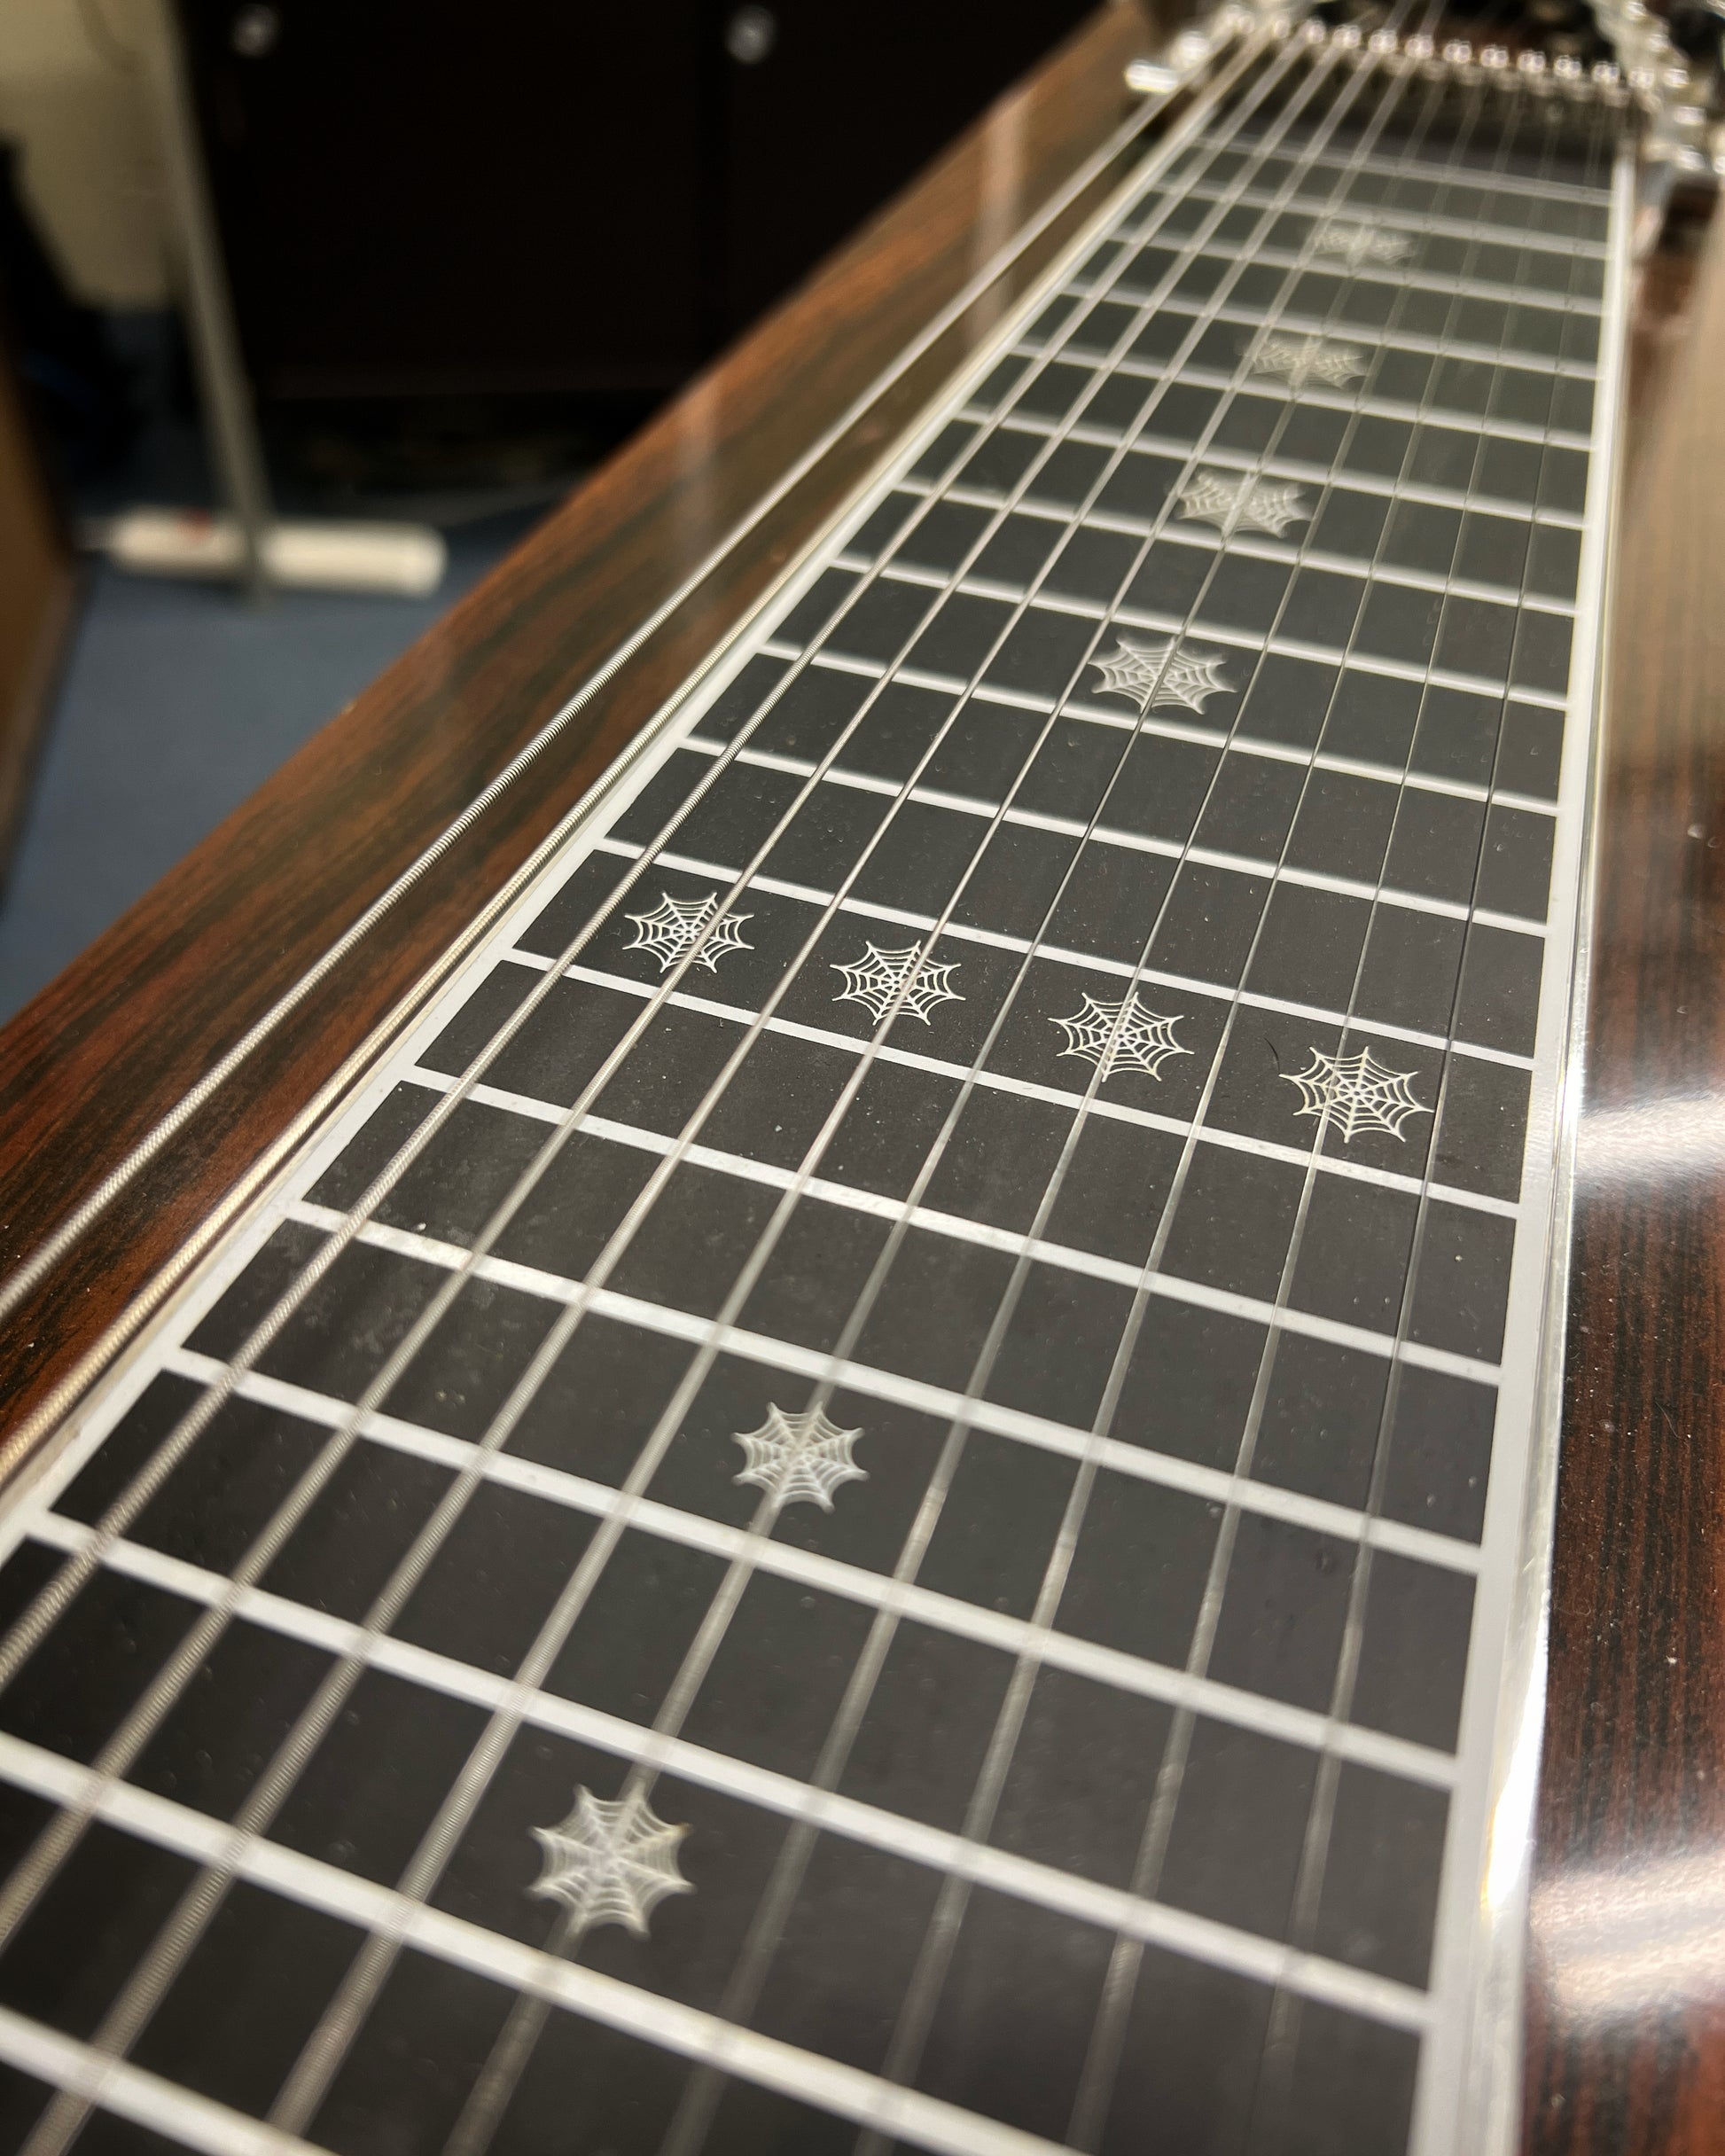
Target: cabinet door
[
  {"x": 835, "y": 106},
  {"x": 431, "y": 196}
]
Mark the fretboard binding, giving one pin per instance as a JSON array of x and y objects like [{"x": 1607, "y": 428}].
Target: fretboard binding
[
  {"x": 917, "y": 1393},
  {"x": 1236, "y": 743},
  {"x": 948, "y": 1613},
  {"x": 1138, "y": 617},
  {"x": 1209, "y": 542}
]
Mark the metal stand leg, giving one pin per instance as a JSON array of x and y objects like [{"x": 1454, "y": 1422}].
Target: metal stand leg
[{"x": 228, "y": 417}]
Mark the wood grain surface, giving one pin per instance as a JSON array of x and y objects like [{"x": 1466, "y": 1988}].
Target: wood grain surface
[
  {"x": 1626, "y": 1981},
  {"x": 90, "y": 1069}
]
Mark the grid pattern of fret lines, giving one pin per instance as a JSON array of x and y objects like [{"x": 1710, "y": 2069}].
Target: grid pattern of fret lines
[{"x": 858, "y": 1504}]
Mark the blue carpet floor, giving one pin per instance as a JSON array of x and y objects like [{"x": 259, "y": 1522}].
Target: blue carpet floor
[{"x": 177, "y": 700}]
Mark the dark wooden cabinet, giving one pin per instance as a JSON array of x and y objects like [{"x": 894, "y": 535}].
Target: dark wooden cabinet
[
  {"x": 850, "y": 101},
  {"x": 423, "y": 197}
]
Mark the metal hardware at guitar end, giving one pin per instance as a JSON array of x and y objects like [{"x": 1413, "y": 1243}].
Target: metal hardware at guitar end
[
  {"x": 1347, "y": 35},
  {"x": 1494, "y": 56},
  {"x": 1151, "y": 78},
  {"x": 1419, "y": 47},
  {"x": 1188, "y": 53},
  {"x": 1313, "y": 33},
  {"x": 1457, "y": 53}
]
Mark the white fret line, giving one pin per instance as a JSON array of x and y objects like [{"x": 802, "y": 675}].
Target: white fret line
[
  {"x": 1393, "y": 279},
  {"x": 1436, "y": 418},
  {"x": 1447, "y": 420},
  {"x": 1240, "y": 865},
  {"x": 1403, "y": 340},
  {"x": 1556, "y": 311},
  {"x": 1292, "y": 647},
  {"x": 961, "y": 1229},
  {"x": 1055, "y": 954},
  {"x": 117, "y": 2086},
  {"x": 928, "y": 2122},
  {"x": 933, "y": 2124},
  {"x": 1139, "y": 842},
  {"x": 1172, "y": 624},
  {"x": 1421, "y": 223},
  {"x": 1391, "y": 283},
  {"x": 1108, "y": 1666},
  {"x": 1111, "y": 1666},
  {"x": 1225, "y": 456},
  {"x": 1507, "y": 187},
  {"x": 1238, "y": 744},
  {"x": 915, "y": 1392},
  {"x": 1080, "y": 607},
  {"x": 1206, "y": 542},
  {"x": 1394, "y": 774}
]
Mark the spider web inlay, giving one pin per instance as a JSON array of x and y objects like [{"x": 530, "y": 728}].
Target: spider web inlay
[
  {"x": 675, "y": 925},
  {"x": 881, "y": 978},
  {"x": 1155, "y": 675},
  {"x": 799, "y": 1458},
  {"x": 1355, "y": 1093},
  {"x": 611, "y": 1862},
  {"x": 1126, "y": 1035},
  {"x": 1241, "y": 502},
  {"x": 1301, "y": 360},
  {"x": 1356, "y": 244}
]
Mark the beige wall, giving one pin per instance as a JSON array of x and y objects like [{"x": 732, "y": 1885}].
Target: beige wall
[{"x": 83, "y": 124}]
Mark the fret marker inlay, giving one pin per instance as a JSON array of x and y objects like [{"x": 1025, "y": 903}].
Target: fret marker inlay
[
  {"x": 1155, "y": 675},
  {"x": 1127, "y": 1035},
  {"x": 881, "y": 978},
  {"x": 611, "y": 1862},
  {"x": 676, "y": 925},
  {"x": 1302, "y": 360},
  {"x": 1356, "y": 244},
  {"x": 1355, "y": 1093},
  {"x": 799, "y": 1459},
  {"x": 1240, "y": 502}
]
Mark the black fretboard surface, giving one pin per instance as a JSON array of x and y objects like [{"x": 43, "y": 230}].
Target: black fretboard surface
[{"x": 872, "y": 1497}]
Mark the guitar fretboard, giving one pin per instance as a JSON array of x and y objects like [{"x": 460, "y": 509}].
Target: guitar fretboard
[{"x": 873, "y": 1497}]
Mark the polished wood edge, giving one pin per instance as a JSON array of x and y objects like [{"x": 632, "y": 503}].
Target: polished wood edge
[
  {"x": 90, "y": 1068},
  {"x": 1626, "y": 1981}
]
